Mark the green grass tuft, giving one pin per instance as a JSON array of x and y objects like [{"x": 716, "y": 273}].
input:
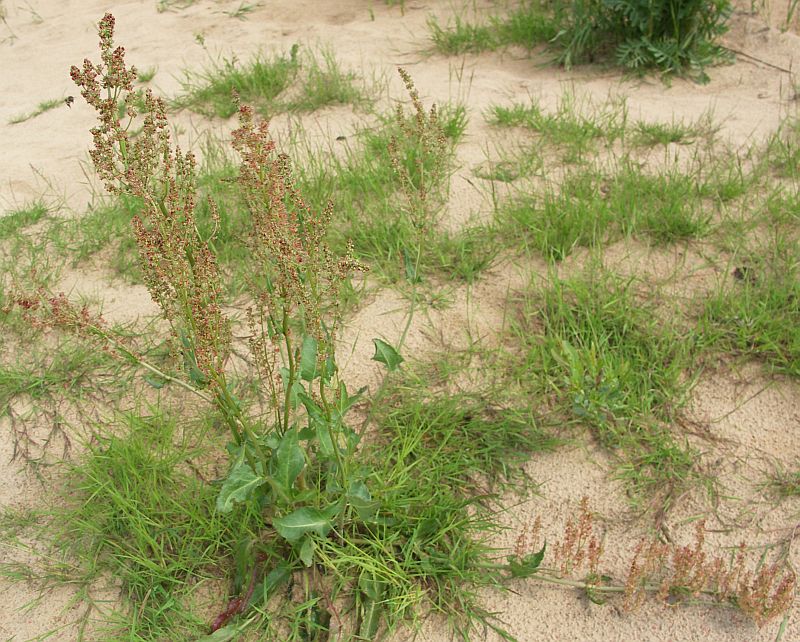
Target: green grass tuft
[
  {"x": 291, "y": 82},
  {"x": 588, "y": 209},
  {"x": 527, "y": 25},
  {"x": 42, "y": 107},
  {"x": 11, "y": 223},
  {"x": 600, "y": 352},
  {"x": 758, "y": 313}
]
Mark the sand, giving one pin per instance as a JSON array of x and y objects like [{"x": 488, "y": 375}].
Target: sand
[{"x": 755, "y": 417}]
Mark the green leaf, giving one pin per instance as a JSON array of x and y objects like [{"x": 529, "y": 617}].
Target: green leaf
[
  {"x": 387, "y": 355},
  {"x": 238, "y": 487},
  {"x": 308, "y": 359},
  {"x": 307, "y": 551},
  {"x": 325, "y": 439},
  {"x": 528, "y": 565},
  {"x": 224, "y": 634},
  {"x": 370, "y": 605},
  {"x": 346, "y": 400},
  {"x": 302, "y": 521},
  {"x": 289, "y": 460},
  {"x": 359, "y": 497},
  {"x": 155, "y": 382},
  {"x": 244, "y": 560},
  {"x": 312, "y": 407}
]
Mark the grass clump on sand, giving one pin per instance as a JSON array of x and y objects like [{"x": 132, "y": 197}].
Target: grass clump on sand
[
  {"x": 588, "y": 209},
  {"x": 758, "y": 311},
  {"x": 527, "y": 25},
  {"x": 237, "y": 496},
  {"x": 611, "y": 365},
  {"x": 390, "y": 189},
  {"x": 18, "y": 219},
  {"x": 272, "y": 84}
]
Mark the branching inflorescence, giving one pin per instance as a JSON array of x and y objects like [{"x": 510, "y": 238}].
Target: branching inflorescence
[{"x": 667, "y": 572}]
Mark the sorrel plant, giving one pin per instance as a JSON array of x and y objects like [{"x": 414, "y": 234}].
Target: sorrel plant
[{"x": 296, "y": 465}]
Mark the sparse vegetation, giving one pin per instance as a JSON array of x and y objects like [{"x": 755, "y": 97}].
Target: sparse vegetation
[
  {"x": 239, "y": 466},
  {"x": 42, "y": 107},
  {"x": 267, "y": 83}
]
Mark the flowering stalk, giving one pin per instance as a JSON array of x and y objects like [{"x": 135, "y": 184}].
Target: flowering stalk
[
  {"x": 293, "y": 318},
  {"x": 178, "y": 264},
  {"x": 660, "y": 570}
]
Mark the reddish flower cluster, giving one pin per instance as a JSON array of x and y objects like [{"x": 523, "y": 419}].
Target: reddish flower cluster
[
  {"x": 179, "y": 268},
  {"x": 299, "y": 274},
  {"x": 47, "y": 312},
  {"x": 419, "y": 157},
  {"x": 672, "y": 573},
  {"x": 113, "y": 77},
  {"x": 580, "y": 544}
]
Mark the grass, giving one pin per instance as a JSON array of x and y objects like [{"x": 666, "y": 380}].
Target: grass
[
  {"x": 610, "y": 364},
  {"x": 650, "y": 134},
  {"x": 785, "y": 484},
  {"x": 572, "y": 128},
  {"x": 258, "y": 82},
  {"x": 147, "y": 74},
  {"x": 757, "y": 313},
  {"x": 437, "y": 457},
  {"x": 664, "y": 36},
  {"x": 103, "y": 228},
  {"x": 134, "y": 513},
  {"x": 588, "y": 356},
  {"x": 41, "y": 108},
  {"x": 527, "y": 25},
  {"x": 365, "y": 187},
  {"x": 271, "y": 84},
  {"x": 12, "y": 222},
  {"x": 589, "y": 209}
]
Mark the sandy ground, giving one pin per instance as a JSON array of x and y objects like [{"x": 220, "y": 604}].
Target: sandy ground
[{"x": 757, "y": 419}]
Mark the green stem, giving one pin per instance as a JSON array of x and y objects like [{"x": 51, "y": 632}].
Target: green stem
[
  {"x": 131, "y": 356},
  {"x": 412, "y": 307},
  {"x": 287, "y": 401},
  {"x": 599, "y": 588}
]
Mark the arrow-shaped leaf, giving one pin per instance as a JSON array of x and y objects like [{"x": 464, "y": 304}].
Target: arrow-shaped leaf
[
  {"x": 387, "y": 355},
  {"x": 302, "y": 521},
  {"x": 359, "y": 497},
  {"x": 289, "y": 460},
  {"x": 239, "y": 485},
  {"x": 528, "y": 565}
]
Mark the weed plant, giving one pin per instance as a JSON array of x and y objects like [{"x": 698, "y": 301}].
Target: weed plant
[
  {"x": 589, "y": 208},
  {"x": 42, "y": 107},
  {"x": 757, "y": 312},
  {"x": 668, "y": 572},
  {"x": 406, "y": 159},
  {"x": 569, "y": 129},
  {"x": 12, "y": 222},
  {"x": 671, "y": 36},
  {"x": 526, "y": 25},
  {"x": 613, "y": 368},
  {"x": 317, "y": 514}
]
